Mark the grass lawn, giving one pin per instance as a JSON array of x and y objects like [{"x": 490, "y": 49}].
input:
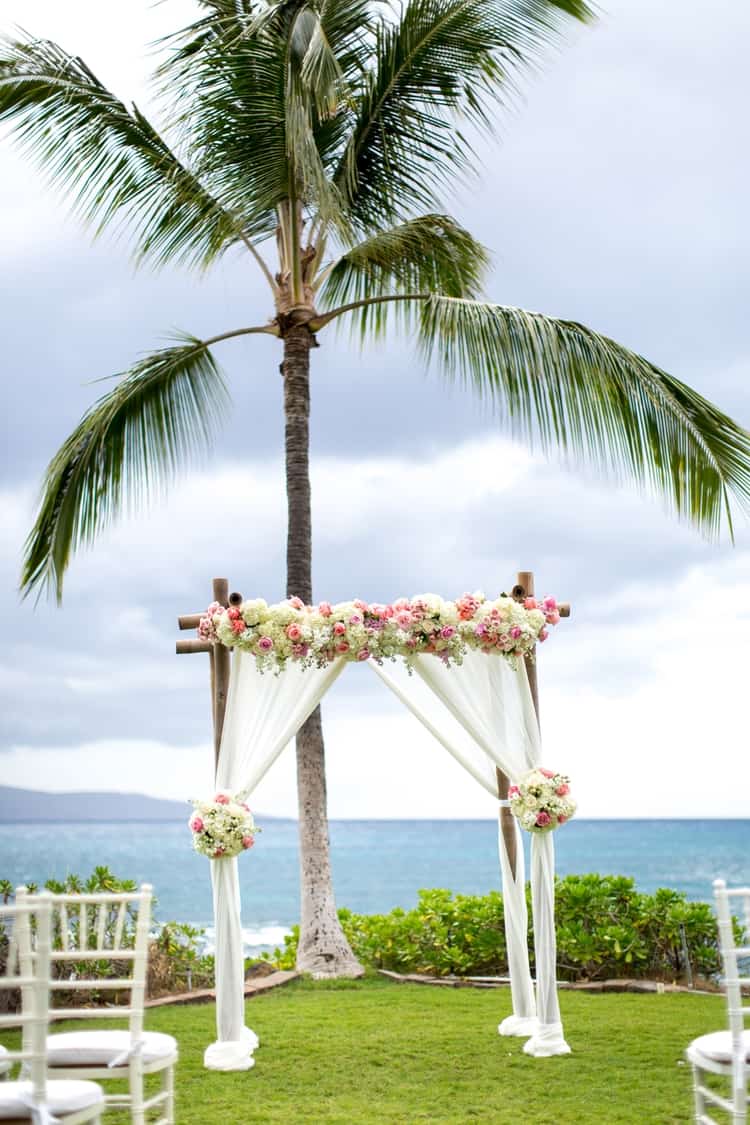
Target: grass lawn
[{"x": 374, "y": 1051}]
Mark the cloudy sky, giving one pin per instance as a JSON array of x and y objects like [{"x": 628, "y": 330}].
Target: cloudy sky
[{"x": 618, "y": 197}]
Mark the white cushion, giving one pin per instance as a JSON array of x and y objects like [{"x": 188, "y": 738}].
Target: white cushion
[
  {"x": 99, "y": 1048},
  {"x": 62, "y": 1097},
  {"x": 4, "y": 1064},
  {"x": 718, "y": 1046}
]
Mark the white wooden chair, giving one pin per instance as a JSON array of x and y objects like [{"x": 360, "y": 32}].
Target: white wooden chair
[
  {"x": 89, "y": 932},
  {"x": 34, "y": 1098},
  {"x": 727, "y": 1053}
]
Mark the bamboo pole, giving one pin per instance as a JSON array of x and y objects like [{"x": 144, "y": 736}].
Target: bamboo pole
[
  {"x": 189, "y": 621},
  {"x": 219, "y": 671},
  {"x": 182, "y": 648},
  {"x": 524, "y": 588}
]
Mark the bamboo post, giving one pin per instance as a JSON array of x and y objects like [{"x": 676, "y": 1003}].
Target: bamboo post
[
  {"x": 219, "y": 671},
  {"x": 524, "y": 588}
]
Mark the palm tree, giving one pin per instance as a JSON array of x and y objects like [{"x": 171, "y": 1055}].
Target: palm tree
[{"x": 326, "y": 131}]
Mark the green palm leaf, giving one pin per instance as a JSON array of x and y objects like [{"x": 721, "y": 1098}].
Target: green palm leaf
[
  {"x": 430, "y": 254},
  {"x": 133, "y": 440},
  {"x": 441, "y": 59},
  {"x": 570, "y": 388},
  {"x": 110, "y": 159}
]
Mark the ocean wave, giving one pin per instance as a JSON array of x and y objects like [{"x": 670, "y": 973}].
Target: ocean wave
[{"x": 263, "y": 936}]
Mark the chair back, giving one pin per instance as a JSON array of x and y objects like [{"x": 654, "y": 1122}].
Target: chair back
[
  {"x": 99, "y": 948},
  {"x": 735, "y": 959},
  {"x": 25, "y": 929}
]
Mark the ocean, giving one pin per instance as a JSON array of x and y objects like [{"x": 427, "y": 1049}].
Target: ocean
[{"x": 377, "y": 864}]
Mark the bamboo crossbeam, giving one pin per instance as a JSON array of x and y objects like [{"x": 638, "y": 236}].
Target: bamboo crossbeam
[
  {"x": 184, "y": 647},
  {"x": 189, "y": 621}
]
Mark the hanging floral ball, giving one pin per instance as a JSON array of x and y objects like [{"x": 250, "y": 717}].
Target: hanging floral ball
[
  {"x": 541, "y": 801},
  {"x": 222, "y": 827}
]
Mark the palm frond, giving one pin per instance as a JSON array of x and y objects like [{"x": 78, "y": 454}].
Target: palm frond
[
  {"x": 263, "y": 101},
  {"x": 429, "y": 254},
  {"x": 132, "y": 441},
  {"x": 565, "y": 385},
  {"x": 440, "y": 60},
  {"x": 108, "y": 158}
]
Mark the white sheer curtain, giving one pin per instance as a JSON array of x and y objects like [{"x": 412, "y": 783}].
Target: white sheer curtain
[
  {"x": 493, "y": 705},
  {"x": 263, "y": 713}
]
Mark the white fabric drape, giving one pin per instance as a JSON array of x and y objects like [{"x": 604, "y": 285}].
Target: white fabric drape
[
  {"x": 493, "y": 705},
  {"x": 263, "y": 714}
]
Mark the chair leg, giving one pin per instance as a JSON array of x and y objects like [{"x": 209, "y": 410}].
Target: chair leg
[
  {"x": 700, "y": 1101},
  {"x": 137, "y": 1114},
  {"x": 169, "y": 1090}
]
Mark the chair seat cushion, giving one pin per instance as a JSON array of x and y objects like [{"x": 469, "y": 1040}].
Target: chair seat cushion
[
  {"x": 99, "y": 1048},
  {"x": 62, "y": 1097},
  {"x": 717, "y": 1046}
]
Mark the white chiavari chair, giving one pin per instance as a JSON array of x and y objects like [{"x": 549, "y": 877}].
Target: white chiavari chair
[
  {"x": 26, "y": 929},
  {"x": 727, "y": 1053}
]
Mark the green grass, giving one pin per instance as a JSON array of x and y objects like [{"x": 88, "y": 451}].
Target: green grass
[
  {"x": 370, "y": 1052},
  {"x": 373, "y": 1051}
]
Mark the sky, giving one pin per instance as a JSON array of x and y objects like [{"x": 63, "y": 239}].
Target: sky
[{"x": 617, "y": 196}]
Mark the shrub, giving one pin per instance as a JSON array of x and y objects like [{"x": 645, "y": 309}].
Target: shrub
[
  {"x": 176, "y": 959},
  {"x": 605, "y": 928}
]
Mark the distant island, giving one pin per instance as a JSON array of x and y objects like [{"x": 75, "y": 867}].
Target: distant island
[{"x": 17, "y": 805}]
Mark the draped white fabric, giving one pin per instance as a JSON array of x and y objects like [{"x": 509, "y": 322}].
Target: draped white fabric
[
  {"x": 493, "y": 705},
  {"x": 263, "y": 714}
]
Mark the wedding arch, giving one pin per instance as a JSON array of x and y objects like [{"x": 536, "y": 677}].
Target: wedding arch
[{"x": 476, "y": 657}]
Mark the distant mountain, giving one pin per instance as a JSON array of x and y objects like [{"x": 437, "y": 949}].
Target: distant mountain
[{"x": 30, "y": 804}]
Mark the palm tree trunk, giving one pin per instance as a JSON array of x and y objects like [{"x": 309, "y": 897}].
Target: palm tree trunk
[{"x": 323, "y": 950}]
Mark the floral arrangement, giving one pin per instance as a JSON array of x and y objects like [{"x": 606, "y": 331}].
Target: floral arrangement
[
  {"x": 222, "y": 827},
  {"x": 316, "y": 635},
  {"x": 542, "y": 801}
]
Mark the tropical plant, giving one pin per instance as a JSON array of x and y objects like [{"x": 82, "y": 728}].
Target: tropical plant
[
  {"x": 326, "y": 132},
  {"x": 604, "y": 928}
]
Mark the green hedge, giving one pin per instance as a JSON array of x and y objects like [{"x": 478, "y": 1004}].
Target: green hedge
[{"x": 605, "y": 928}]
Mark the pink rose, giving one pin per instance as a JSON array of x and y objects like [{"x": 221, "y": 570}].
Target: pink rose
[
  {"x": 545, "y": 773},
  {"x": 561, "y": 819},
  {"x": 553, "y": 618},
  {"x": 403, "y": 620},
  {"x": 342, "y": 646},
  {"x": 221, "y": 799},
  {"x": 265, "y": 644},
  {"x": 529, "y": 603},
  {"x": 300, "y": 650},
  {"x": 196, "y": 824},
  {"x": 233, "y": 613},
  {"x": 218, "y": 852},
  {"x": 296, "y": 603},
  {"x": 238, "y": 626},
  {"x": 513, "y": 791},
  {"x": 562, "y": 790},
  {"x": 516, "y": 632},
  {"x": 549, "y": 604},
  {"x": 388, "y": 612},
  {"x": 339, "y": 628},
  {"x": 363, "y": 654},
  {"x": 355, "y": 619},
  {"x": 360, "y": 604},
  {"x": 248, "y": 841},
  {"x": 543, "y": 635},
  {"x": 293, "y": 632},
  {"x": 543, "y": 819},
  {"x": 244, "y": 806},
  {"x": 447, "y": 632},
  {"x": 324, "y": 609}
]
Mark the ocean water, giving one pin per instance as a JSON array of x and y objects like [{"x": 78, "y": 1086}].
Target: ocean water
[{"x": 377, "y": 864}]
